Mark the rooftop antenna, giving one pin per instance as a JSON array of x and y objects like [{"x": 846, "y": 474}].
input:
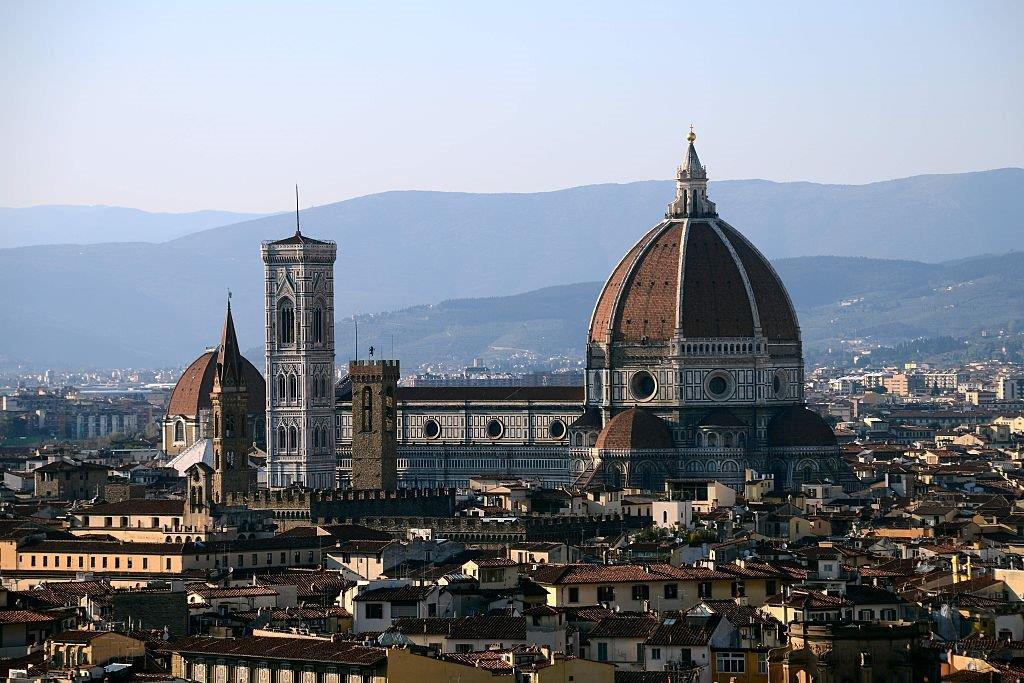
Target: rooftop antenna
[{"x": 298, "y": 231}]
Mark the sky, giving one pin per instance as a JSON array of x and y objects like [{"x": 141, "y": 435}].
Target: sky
[{"x": 226, "y": 105}]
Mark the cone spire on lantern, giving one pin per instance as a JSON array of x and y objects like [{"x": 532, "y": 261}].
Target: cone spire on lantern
[{"x": 691, "y": 186}]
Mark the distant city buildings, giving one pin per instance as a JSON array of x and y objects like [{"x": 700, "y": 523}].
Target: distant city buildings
[{"x": 696, "y": 507}]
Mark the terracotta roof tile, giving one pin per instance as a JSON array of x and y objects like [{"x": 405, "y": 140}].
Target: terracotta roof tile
[{"x": 299, "y": 649}]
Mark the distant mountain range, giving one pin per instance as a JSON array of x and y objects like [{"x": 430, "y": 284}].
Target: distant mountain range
[
  {"x": 836, "y": 297},
  {"x": 142, "y": 304},
  {"x": 30, "y": 226}
]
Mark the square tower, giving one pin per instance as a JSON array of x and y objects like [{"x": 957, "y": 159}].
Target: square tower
[
  {"x": 299, "y": 293},
  {"x": 374, "y": 424}
]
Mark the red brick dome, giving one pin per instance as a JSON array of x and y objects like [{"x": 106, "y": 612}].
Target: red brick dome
[
  {"x": 192, "y": 392},
  {"x": 635, "y": 428},
  {"x": 700, "y": 275}
]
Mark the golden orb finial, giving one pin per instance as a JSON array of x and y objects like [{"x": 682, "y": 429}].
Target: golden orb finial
[{"x": 692, "y": 136}]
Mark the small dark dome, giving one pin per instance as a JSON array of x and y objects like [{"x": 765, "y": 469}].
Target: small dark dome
[
  {"x": 633, "y": 429},
  {"x": 798, "y": 426},
  {"x": 591, "y": 418},
  {"x": 192, "y": 392}
]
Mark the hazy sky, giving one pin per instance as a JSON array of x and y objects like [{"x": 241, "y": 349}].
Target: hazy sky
[{"x": 192, "y": 105}]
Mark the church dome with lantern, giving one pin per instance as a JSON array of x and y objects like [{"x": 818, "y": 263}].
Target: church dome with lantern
[{"x": 695, "y": 327}]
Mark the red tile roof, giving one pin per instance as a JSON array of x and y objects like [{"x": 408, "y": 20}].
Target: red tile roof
[
  {"x": 297, "y": 649},
  {"x": 24, "y": 616}
]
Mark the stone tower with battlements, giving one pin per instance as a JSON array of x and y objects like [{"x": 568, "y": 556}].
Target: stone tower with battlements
[
  {"x": 299, "y": 295},
  {"x": 374, "y": 427}
]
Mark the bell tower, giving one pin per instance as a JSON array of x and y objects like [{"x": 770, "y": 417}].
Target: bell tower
[
  {"x": 299, "y": 296},
  {"x": 229, "y": 400},
  {"x": 374, "y": 428}
]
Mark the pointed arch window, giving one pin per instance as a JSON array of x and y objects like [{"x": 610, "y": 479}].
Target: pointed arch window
[
  {"x": 293, "y": 387},
  {"x": 367, "y": 425},
  {"x": 280, "y": 387},
  {"x": 282, "y": 442},
  {"x": 318, "y": 325},
  {"x": 179, "y": 431},
  {"x": 285, "y": 321},
  {"x": 293, "y": 438},
  {"x": 229, "y": 426}
]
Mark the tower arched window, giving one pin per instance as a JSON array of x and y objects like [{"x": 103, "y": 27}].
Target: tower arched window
[
  {"x": 293, "y": 438},
  {"x": 179, "y": 430},
  {"x": 285, "y": 322},
  {"x": 229, "y": 426},
  {"x": 293, "y": 387},
  {"x": 367, "y": 425},
  {"x": 389, "y": 409},
  {"x": 318, "y": 325},
  {"x": 282, "y": 442}
]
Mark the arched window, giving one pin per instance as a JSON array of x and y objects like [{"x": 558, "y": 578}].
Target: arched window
[
  {"x": 318, "y": 325},
  {"x": 325, "y": 390},
  {"x": 293, "y": 438},
  {"x": 281, "y": 439},
  {"x": 285, "y": 322},
  {"x": 229, "y": 426},
  {"x": 316, "y": 437},
  {"x": 367, "y": 409},
  {"x": 179, "y": 430},
  {"x": 280, "y": 387},
  {"x": 293, "y": 387},
  {"x": 389, "y": 409}
]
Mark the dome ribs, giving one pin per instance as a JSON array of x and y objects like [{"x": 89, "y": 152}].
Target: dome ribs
[
  {"x": 714, "y": 300},
  {"x": 651, "y": 292},
  {"x": 778, "y": 320},
  {"x": 606, "y": 302}
]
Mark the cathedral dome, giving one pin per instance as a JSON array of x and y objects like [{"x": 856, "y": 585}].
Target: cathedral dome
[
  {"x": 695, "y": 274},
  {"x": 192, "y": 392},
  {"x": 701, "y": 277},
  {"x": 799, "y": 427},
  {"x": 635, "y": 428}
]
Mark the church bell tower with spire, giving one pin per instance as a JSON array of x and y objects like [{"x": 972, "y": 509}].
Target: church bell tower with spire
[
  {"x": 229, "y": 400},
  {"x": 299, "y": 296}
]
